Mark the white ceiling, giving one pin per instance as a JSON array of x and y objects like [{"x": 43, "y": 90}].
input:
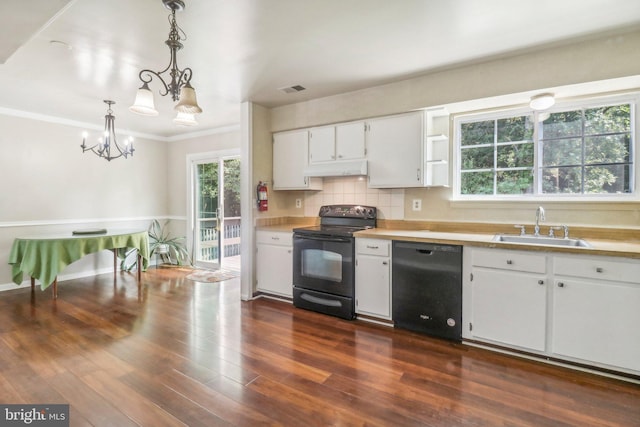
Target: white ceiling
[{"x": 243, "y": 50}]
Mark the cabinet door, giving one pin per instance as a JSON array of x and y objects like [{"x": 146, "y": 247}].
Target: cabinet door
[
  {"x": 373, "y": 288},
  {"x": 509, "y": 308},
  {"x": 290, "y": 156},
  {"x": 274, "y": 269},
  {"x": 350, "y": 141},
  {"x": 322, "y": 144},
  {"x": 394, "y": 151},
  {"x": 597, "y": 321}
]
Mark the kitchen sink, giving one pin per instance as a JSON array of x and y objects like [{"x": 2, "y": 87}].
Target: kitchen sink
[{"x": 541, "y": 240}]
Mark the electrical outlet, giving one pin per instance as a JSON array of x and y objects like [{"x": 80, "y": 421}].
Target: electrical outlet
[
  {"x": 298, "y": 203},
  {"x": 416, "y": 204}
]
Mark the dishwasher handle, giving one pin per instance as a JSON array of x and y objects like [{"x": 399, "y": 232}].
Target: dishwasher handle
[
  {"x": 424, "y": 251},
  {"x": 426, "y": 248}
]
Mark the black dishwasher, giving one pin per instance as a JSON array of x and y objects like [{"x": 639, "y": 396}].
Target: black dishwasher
[{"x": 427, "y": 288}]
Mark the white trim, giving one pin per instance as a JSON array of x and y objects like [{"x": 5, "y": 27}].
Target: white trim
[
  {"x": 247, "y": 244},
  {"x": 93, "y": 126},
  {"x": 61, "y": 278},
  {"x": 41, "y": 222}
]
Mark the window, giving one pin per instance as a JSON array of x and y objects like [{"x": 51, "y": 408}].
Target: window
[{"x": 583, "y": 150}]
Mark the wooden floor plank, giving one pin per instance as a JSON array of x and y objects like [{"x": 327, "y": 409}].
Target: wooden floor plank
[{"x": 188, "y": 353}]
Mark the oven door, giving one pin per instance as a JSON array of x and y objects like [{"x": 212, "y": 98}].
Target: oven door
[{"x": 324, "y": 263}]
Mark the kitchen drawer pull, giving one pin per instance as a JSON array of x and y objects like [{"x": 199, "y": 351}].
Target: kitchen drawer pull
[
  {"x": 540, "y": 282},
  {"x": 509, "y": 262},
  {"x": 385, "y": 263},
  {"x": 275, "y": 238},
  {"x": 373, "y": 247},
  {"x": 560, "y": 284},
  {"x": 599, "y": 269}
]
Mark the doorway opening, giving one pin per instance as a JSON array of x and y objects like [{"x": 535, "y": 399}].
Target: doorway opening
[{"x": 215, "y": 212}]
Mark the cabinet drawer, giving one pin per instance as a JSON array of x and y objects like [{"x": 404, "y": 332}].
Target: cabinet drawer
[
  {"x": 379, "y": 247},
  {"x": 509, "y": 260},
  {"x": 279, "y": 238},
  {"x": 596, "y": 268}
]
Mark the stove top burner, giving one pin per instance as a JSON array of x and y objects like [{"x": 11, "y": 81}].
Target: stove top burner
[{"x": 342, "y": 220}]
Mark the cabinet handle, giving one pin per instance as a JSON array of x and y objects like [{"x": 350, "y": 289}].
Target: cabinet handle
[
  {"x": 509, "y": 262},
  {"x": 372, "y": 247},
  {"x": 289, "y": 251},
  {"x": 385, "y": 263},
  {"x": 540, "y": 282},
  {"x": 418, "y": 174},
  {"x": 339, "y": 156},
  {"x": 599, "y": 269},
  {"x": 560, "y": 284},
  {"x": 275, "y": 238}
]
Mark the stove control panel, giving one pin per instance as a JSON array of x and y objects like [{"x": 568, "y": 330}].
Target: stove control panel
[{"x": 348, "y": 211}]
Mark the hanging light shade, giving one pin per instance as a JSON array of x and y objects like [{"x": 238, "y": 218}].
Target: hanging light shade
[
  {"x": 107, "y": 146},
  {"x": 179, "y": 85},
  {"x": 185, "y": 119},
  {"x": 188, "y": 103},
  {"x": 542, "y": 101},
  {"x": 144, "y": 104}
]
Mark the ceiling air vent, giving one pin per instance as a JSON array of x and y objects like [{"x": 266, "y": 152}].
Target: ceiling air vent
[{"x": 292, "y": 89}]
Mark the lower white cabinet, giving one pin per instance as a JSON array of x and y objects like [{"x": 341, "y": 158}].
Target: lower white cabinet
[
  {"x": 274, "y": 262},
  {"x": 595, "y": 318},
  {"x": 373, "y": 277},
  {"x": 578, "y": 308},
  {"x": 509, "y": 298}
]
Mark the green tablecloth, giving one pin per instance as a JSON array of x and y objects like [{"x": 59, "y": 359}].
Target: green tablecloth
[{"x": 44, "y": 257}]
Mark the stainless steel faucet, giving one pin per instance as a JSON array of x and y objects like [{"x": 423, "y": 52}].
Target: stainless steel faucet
[{"x": 539, "y": 217}]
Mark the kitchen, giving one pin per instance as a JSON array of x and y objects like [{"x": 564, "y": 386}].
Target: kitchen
[{"x": 434, "y": 207}]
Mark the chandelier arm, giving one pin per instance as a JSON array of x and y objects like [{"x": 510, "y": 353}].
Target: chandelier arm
[
  {"x": 149, "y": 77},
  {"x": 103, "y": 147}
]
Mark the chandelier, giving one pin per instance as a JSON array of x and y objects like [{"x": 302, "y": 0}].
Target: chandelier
[
  {"x": 180, "y": 84},
  {"x": 107, "y": 144}
]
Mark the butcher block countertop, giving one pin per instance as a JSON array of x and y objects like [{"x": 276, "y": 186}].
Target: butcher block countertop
[
  {"x": 598, "y": 247},
  {"x": 617, "y": 242}
]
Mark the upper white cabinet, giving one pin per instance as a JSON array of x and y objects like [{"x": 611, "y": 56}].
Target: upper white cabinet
[
  {"x": 394, "y": 151},
  {"x": 339, "y": 142},
  {"x": 290, "y": 156}
]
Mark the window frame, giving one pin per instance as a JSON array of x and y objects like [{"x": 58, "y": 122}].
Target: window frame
[{"x": 567, "y": 105}]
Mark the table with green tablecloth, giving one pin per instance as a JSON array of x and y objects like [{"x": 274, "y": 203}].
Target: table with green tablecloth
[{"x": 44, "y": 257}]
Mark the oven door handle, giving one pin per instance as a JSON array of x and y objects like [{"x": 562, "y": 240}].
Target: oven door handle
[{"x": 323, "y": 238}]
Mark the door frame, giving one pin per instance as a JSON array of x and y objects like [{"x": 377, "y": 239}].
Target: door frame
[{"x": 192, "y": 160}]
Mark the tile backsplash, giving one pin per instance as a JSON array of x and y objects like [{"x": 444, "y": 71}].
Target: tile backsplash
[{"x": 353, "y": 191}]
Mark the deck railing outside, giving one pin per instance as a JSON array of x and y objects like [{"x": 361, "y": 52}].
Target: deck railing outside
[{"x": 209, "y": 238}]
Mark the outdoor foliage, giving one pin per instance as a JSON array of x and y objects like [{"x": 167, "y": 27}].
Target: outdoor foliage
[
  {"x": 209, "y": 193},
  {"x": 583, "y": 151}
]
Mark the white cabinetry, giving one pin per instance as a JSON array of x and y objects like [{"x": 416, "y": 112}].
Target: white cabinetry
[
  {"x": 373, "y": 284},
  {"x": 339, "y": 142},
  {"x": 394, "y": 151},
  {"x": 509, "y": 298},
  {"x": 274, "y": 262},
  {"x": 578, "y": 308},
  {"x": 290, "y": 156},
  {"x": 596, "y": 310}
]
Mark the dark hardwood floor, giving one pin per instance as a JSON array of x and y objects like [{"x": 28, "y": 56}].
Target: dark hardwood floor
[{"x": 188, "y": 353}]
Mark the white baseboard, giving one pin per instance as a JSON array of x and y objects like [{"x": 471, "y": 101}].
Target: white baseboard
[{"x": 64, "y": 277}]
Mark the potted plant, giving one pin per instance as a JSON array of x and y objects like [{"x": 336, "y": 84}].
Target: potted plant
[{"x": 171, "y": 250}]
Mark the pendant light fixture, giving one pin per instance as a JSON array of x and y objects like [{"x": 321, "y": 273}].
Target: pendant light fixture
[
  {"x": 107, "y": 143},
  {"x": 180, "y": 84}
]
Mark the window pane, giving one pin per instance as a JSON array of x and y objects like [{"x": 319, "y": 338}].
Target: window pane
[
  {"x": 515, "y": 129},
  {"x": 516, "y": 155},
  {"x": 477, "y": 133},
  {"x": 607, "y": 179},
  {"x": 611, "y": 119},
  {"x": 514, "y": 182},
  {"x": 608, "y": 149},
  {"x": 477, "y": 158},
  {"x": 562, "y": 180},
  {"x": 562, "y": 152},
  {"x": 476, "y": 183},
  {"x": 558, "y": 125}
]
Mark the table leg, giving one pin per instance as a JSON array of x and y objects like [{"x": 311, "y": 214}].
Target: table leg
[
  {"x": 115, "y": 262},
  {"x": 139, "y": 266},
  {"x": 33, "y": 284},
  {"x": 55, "y": 288}
]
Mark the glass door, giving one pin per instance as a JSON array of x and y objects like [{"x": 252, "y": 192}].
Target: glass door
[{"x": 216, "y": 213}]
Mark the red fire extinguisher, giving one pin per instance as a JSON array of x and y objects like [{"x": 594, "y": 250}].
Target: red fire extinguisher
[{"x": 263, "y": 196}]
